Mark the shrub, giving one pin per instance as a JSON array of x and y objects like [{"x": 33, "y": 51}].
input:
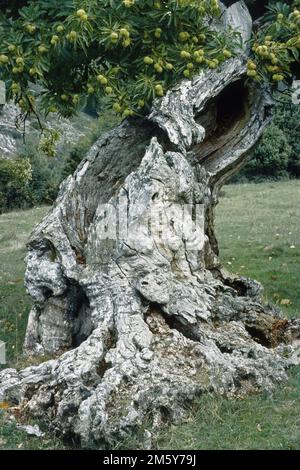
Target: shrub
[
  {"x": 278, "y": 154},
  {"x": 15, "y": 177},
  {"x": 271, "y": 157},
  {"x": 34, "y": 178},
  {"x": 288, "y": 120}
]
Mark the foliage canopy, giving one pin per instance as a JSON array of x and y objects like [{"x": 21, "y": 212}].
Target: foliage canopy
[{"x": 130, "y": 51}]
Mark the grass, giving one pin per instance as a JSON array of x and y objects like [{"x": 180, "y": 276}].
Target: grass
[
  {"x": 15, "y": 228},
  {"x": 258, "y": 228},
  {"x": 257, "y": 422},
  {"x": 12, "y": 438}
]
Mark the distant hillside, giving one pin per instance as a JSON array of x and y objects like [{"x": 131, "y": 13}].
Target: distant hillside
[{"x": 11, "y": 139}]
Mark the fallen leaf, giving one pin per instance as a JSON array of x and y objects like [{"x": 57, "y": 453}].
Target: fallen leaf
[
  {"x": 4, "y": 405},
  {"x": 258, "y": 427}
]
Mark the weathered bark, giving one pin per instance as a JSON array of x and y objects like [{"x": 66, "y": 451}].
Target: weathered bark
[{"x": 143, "y": 323}]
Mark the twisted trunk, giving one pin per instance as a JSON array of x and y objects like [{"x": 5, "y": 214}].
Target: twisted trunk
[{"x": 129, "y": 294}]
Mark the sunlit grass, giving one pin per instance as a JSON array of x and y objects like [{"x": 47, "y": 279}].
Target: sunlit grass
[{"x": 15, "y": 228}]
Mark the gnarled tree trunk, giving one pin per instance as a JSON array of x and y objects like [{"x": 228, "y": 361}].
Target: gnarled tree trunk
[{"x": 129, "y": 294}]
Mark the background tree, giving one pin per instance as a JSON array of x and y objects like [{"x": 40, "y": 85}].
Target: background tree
[
  {"x": 271, "y": 157},
  {"x": 139, "y": 315}
]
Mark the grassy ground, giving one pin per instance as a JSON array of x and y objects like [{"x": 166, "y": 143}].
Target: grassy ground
[
  {"x": 258, "y": 229},
  {"x": 14, "y": 303},
  {"x": 14, "y": 308}
]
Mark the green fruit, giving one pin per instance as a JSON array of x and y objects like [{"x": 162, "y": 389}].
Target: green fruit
[
  {"x": 124, "y": 32},
  {"x": 15, "y": 88},
  {"x": 186, "y": 73},
  {"x": 32, "y": 71},
  {"x": 216, "y": 10},
  {"x": 117, "y": 107},
  {"x": 251, "y": 65},
  {"x": 108, "y": 90},
  {"x": 227, "y": 54},
  {"x": 75, "y": 99},
  {"x": 148, "y": 60},
  {"x": 64, "y": 97},
  {"x": 12, "y": 48},
  {"x": 128, "y": 3},
  {"x": 252, "y": 73},
  {"x": 90, "y": 90},
  {"x": 185, "y": 55},
  {"x": 52, "y": 109},
  {"x": 183, "y": 36},
  {"x": 213, "y": 64},
  {"x": 73, "y": 35},
  {"x": 158, "y": 68},
  {"x": 114, "y": 37},
  {"x": 190, "y": 66},
  {"x": 199, "y": 53},
  {"x": 60, "y": 28},
  {"x": 262, "y": 51},
  {"x": 101, "y": 79},
  {"x": 54, "y": 40},
  {"x": 126, "y": 113},
  {"x": 141, "y": 103},
  {"x": 31, "y": 28},
  {"x": 157, "y": 33},
  {"x": 158, "y": 88},
  {"x": 19, "y": 61},
  {"x": 272, "y": 68},
  {"x": 278, "y": 77},
  {"x": 80, "y": 13},
  {"x": 169, "y": 66},
  {"x": 3, "y": 59},
  {"x": 42, "y": 49}
]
